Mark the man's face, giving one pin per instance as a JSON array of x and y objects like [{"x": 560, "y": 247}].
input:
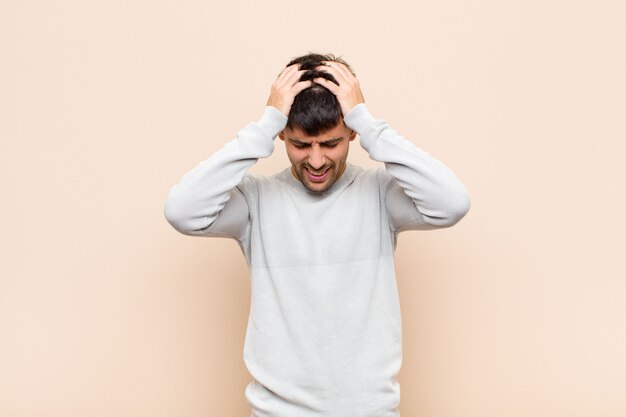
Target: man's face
[{"x": 318, "y": 161}]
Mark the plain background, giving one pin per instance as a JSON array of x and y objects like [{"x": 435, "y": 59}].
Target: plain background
[{"x": 519, "y": 310}]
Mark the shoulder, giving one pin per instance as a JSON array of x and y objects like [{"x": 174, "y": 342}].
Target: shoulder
[
  {"x": 249, "y": 186},
  {"x": 378, "y": 177},
  {"x": 252, "y": 183}
]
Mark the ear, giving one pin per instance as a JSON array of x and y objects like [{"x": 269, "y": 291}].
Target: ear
[
  {"x": 352, "y": 135},
  {"x": 281, "y": 135}
]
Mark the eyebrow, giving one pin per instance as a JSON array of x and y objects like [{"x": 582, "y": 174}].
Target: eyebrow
[{"x": 328, "y": 142}]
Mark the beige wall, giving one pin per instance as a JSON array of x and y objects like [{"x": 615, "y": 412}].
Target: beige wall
[{"x": 106, "y": 311}]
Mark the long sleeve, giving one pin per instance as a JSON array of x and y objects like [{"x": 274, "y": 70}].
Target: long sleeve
[
  {"x": 193, "y": 205},
  {"x": 438, "y": 198}
]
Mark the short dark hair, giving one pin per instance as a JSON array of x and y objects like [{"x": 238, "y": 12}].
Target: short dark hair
[{"x": 315, "y": 109}]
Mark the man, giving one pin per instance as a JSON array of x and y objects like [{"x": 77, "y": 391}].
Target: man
[{"x": 324, "y": 331}]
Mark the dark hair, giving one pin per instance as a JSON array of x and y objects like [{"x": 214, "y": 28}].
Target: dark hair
[{"x": 315, "y": 109}]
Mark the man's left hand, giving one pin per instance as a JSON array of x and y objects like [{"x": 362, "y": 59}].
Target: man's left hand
[{"x": 348, "y": 92}]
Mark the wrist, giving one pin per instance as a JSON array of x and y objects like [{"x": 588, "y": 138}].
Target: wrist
[{"x": 273, "y": 121}]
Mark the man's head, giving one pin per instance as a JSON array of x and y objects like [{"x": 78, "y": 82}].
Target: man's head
[
  {"x": 316, "y": 138},
  {"x": 315, "y": 109}
]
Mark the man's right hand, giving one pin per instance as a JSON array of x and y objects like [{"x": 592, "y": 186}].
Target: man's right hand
[{"x": 286, "y": 88}]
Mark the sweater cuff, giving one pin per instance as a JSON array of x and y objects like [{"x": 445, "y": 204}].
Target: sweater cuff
[
  {"x": 273, "y": 121},
  {"x": 362, "y": 122}
]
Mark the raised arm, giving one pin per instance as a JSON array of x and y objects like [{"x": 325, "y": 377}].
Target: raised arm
[
  {"x": 421, "y": 193},
  {"x": 195, "y": 205},
  {"x": 437, "y": 195}
]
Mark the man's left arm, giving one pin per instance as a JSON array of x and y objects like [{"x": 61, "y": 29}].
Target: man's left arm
[
  {"x": 439, "y": 198},
  {"x": 436, "y": 197}
]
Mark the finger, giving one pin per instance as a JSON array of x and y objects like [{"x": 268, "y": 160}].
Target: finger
[
  {"x": 288, "y": 69},
  {"x": 281, "y": 73},
  {"x": 334, "y": 88},
  {"x": 302, "y": 85},
  {"x": 340, "y": 77},
  {"x": 287, "y": 72},
  {"x": 294, "y": 79},
  {"x": 340, "y": 68},
  {"x": 290, "y": 78}
]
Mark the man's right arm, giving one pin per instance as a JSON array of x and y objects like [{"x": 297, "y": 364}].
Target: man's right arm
[{"x": 194, "y": 204}]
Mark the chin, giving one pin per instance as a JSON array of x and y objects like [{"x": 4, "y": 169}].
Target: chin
[{"x": 318, "y": 187}]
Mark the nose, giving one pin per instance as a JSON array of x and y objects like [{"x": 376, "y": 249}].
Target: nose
[{"x": 316, "y": 157}]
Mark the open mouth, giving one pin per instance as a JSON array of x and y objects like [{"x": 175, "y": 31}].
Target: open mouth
[{"x": 317, "y": 176}]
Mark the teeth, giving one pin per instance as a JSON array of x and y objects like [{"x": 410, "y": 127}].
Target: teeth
[{"x": 316, "y": 174}]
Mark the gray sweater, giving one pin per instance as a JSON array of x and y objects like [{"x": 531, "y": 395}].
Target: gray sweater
[{"x": 324, "y": 335}]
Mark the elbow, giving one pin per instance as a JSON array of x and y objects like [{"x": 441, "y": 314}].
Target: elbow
[
  {"x": 177, "y": 215},
  {"x": 456, "y": 207},
  {"x": 459, "y": 208}
]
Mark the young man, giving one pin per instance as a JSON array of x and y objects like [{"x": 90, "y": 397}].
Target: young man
[{"x": 324, "y": 332}]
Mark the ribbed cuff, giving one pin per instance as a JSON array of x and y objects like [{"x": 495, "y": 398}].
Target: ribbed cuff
[
  {"x": 273, "y": 121},
  {"x": 358, "y": 118},
  {"x": 362, "y": 122}
]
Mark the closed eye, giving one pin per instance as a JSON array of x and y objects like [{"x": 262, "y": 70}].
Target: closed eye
[
  {"x": 328, "y": 144},
  {"x": 331, "y": 143}
]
